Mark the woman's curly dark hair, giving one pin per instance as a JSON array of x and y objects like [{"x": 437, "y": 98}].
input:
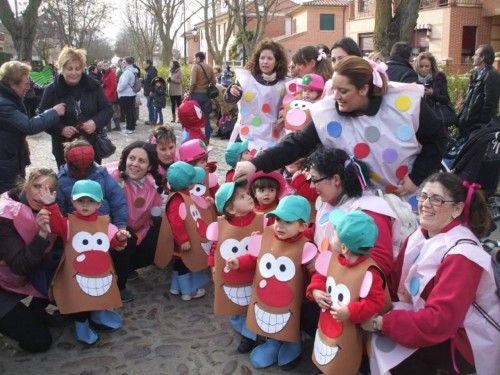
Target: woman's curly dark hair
[
  {"x": 152, "y": 157},
  {"x": 330, "y": 162},
  {"x": 281, "y": 67}
]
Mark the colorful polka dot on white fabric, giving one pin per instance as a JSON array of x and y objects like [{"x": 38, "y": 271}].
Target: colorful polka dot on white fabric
[
  {"x": 372, "y": 134},
  {"x": 403, "y": 103},
  {"x": 389, "y": 155},
  {"x": 334, "y": 129},
  {"x": 404, "y": 133}
]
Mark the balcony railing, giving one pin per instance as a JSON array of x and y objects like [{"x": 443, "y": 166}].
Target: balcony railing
[{"x": 426, "y": 4}]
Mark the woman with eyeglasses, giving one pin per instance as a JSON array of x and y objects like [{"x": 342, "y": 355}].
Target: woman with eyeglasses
[
  {"x": 447, "y": 316},
  {"x": 386, "y": 125},
  {"x": 342, "y": 183}
]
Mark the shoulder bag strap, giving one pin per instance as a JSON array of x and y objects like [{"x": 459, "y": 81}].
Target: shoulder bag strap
[{"x": 205, "y": 73}]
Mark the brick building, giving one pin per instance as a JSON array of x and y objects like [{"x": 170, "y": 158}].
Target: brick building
[{"x": 450, "y": 29}]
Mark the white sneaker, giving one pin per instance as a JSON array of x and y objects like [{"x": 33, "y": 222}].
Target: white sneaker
[
  {"x": 174, "y": 292},
  {"x": 200, "y": 292}
]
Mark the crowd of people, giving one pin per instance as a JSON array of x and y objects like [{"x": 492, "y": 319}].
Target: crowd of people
[{"x": 334, "y": 218}]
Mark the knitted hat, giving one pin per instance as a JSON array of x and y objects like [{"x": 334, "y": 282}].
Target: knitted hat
[
  {"x": 193, "y": 149},
  {"x": 233, "y": 152},
  {"x": 356, "y": 230}
]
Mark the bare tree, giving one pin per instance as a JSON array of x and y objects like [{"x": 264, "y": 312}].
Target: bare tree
[
  {"x": 165, "y": 13},
  {"x": 77, "y": 21},
  {"x": 124, "y": 45},
  {"x": 142, "y": 27},
  {"x": 262, "y": 11},
  {"x": 100, "y": 49},
  {"x": 22, "y": 29},
  {"x": 210, "y": 14},
  {"x": 390, "y": 29}
]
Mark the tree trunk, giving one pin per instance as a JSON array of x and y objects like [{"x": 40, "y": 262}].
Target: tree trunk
[
  {"x": 22, "y": 29},
  {"x": 389, "y": 29}
]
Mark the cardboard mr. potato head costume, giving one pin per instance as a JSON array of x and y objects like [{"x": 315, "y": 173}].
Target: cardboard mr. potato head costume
[
  {"x": 298, "y": 115},
  {"x": 232, "y": 288},
  {"x": 85, "y": 279},
  {"x": 180, "y": 176},
  {"x": 278, "y": 286},
  {"x": 338, "y": 345}
]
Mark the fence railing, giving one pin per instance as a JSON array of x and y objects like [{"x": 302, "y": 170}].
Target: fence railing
[{"x": 426, "y": 4}]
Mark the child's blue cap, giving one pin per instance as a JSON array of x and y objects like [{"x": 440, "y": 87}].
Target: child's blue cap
[
  {"x": 292, "y": 208},
  {"x": 233, "y": 152},
  {"x": 224, "y": 194},
  {"x": 87, "y": 188},
  {"x": 181, "y": 174},
  {"x": 356, "y": 230}
]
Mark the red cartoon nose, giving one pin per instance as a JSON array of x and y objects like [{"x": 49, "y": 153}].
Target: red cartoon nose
[
  {"x": 201, "y": 227},
  {"x": 330, "y": 326},
  {"x": 238, "y": 277},
  {"x": 92, "y": 263},
  {"x": 274, "y": 293}
]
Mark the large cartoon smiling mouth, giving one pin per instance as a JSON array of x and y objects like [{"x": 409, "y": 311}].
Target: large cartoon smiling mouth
[
  {"x": 206, "y": 246},
  {"x": 94, "y": 286},
  {"x": 269, "y": 322},
  {"x": 239, "y": 295},
  {"x": 322, "y": 352}
]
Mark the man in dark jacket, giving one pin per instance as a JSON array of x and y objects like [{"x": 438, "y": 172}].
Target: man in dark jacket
[
  {"x": 398, "y": 66},
  {"x": 481, "y": 100},
  {"x": 151, "y": 73}
]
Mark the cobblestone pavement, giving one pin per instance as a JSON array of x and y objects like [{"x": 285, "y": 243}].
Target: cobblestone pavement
[{"x": 161, "y": 334}]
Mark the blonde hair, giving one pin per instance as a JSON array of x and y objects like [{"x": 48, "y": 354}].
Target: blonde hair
[
  {"x": 25, "y": 184},
  {"x": 70, "y": 54},
  {"x": 12, "y": 72}
]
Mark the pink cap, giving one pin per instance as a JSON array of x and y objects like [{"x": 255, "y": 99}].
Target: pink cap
[
  {"x": 312, "y": 82},
  {"x": 192, "y": 150}
]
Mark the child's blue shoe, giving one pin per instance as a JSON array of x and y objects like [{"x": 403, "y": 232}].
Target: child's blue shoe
[
  {"x": 289, "y": 353},
  {"x": 266, "y": 354},
  {"x": 84, "y": 333},
  {"x": 107, "y": 319}
]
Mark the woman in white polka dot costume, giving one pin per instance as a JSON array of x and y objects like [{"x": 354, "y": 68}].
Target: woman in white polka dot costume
[
  {"x": 386, "y": 125},
  {"x": 259, "y": 92},
  {"x": 447, "y": 315}
]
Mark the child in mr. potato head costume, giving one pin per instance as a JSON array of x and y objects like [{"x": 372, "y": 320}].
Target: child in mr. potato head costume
[{"x": 277, "y": 257}]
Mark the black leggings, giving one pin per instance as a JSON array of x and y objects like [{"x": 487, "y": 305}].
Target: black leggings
[
  {"x": 24, "y": 324},
  {"x": 135, "y": 256},
  {"x": 175, "y": 102}
]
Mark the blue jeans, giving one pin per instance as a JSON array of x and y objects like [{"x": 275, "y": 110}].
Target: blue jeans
[
  {"x": 206, "y": 107},
  {"x": 151, "y": 108},
  {"x": 158, "y": 118}
]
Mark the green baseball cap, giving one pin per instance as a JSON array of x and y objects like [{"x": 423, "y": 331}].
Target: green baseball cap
[
  {"x": 87, "y": 188},
  {"x": 356, "y": 230},
  {"x": 224, "y": 194},
  {"x": 181, "y": 174},
  {"x": 233, "y": 152},
  {"x": 292, "y": 208}
]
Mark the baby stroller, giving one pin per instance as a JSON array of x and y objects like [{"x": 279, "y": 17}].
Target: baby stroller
[{"x": 476, "y": 158}]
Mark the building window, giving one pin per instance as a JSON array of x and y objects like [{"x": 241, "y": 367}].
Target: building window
[
  {"x": 363, "y": 6},
  {"x": 365, "y": 43},
  {"x": 468, "y": 43},
  {"x": 419, "y": 41},
  {"x": 294, "y": 26},
  {"x": 327, "y": 22},
  {"x": 218, "y": 33}
]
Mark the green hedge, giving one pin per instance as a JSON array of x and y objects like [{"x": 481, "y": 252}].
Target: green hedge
[
  {"x": 163, "y": 71},
  {"x": 4, "y": 57},
  {"x": 457, "y": 85}
]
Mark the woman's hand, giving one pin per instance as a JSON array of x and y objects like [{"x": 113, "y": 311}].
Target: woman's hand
[
  {"x": 186, "y": 246},
  {"x": 46, "y": 196},
  {"x": 69, "y": 131},
  {"x": 406, "y": 187},
  {"x": 89, "y": 126},
  {"x": 243, "y": 170},
  {"x": 60, "y": 108},
  {"x": 428, "y": 91},
  {"x": 43, "y": 220},
  {"x": 235, "y": 90},
  {"x": 122, "y": 235},
  {"x": 374, "y": 324},
  {"x": 322, "y": 299}
]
